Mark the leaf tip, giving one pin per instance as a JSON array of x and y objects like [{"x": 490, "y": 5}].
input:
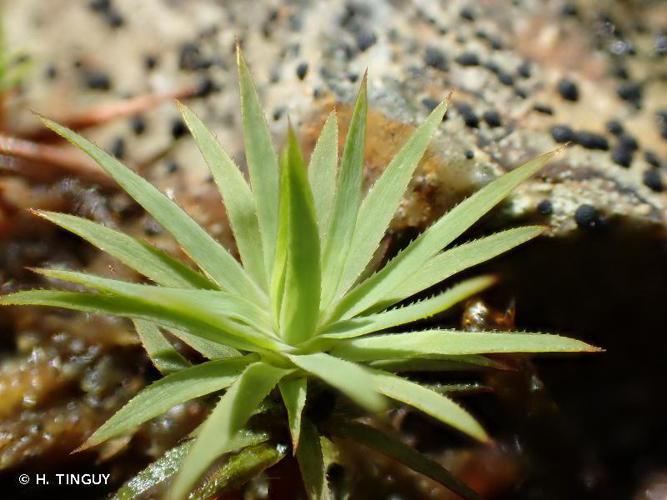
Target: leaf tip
[{"x": 83, "y": 447}]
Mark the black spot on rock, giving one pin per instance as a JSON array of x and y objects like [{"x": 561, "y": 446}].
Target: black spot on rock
[
  {"x": 468, "y": 115},
  {"x": 568, "y": 89},
  {"x": 172, "y": 166},
  {"x": 662, "y": 122},
  {"x": 97, "y": 80},
  {"x": 429, "y": 103},
  {"x": 150, "y": 62},
  {"x": 365, "y": 40},
  {"x": 178, "y": 128},
  {"x": 51, "y": 72},
  {"x": 652, "y": 159},
  {"x": 626, "y": 141},
  {"x": 614, "y": 127},
  {"x": 99, "y": 5},
  {"x": 469, "y": 154},
  {"x": 543, "y": 108},
  {"x": 118, "y": 148},
  {"x": 467, "y": 13},
  {"x": 138, "y": 124},
  {"x": 492, "y": 118},
  {"x": 591, "y": 140},
  {"x": 622, "y": 156},
  {"x": 505, "y": 78},
  {"x": 524, "y": 70},
  {"x": 115, "y": 18},
  {"x": 545, "y": 207},
  {"x": 562, "y": 133},
  {"x": 190, "y": 58},
  {"x": 587, "y": 217},
  {"x": 653, "y": 180},
  {"x": 468, "y": 59},
  {"x": 630, "y": 91},
  {"x": 569, "y": 10},
  {"x": 493, "y": 67},
  {"x": 278, "y": 113},
  {"x": 206, "y": 87},
  {"x": 435, "y": 58},
  {"x": 302, "y": 70}
]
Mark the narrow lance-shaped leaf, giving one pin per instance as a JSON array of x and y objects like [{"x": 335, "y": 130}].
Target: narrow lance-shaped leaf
[
  {"x": 239, "y": 201},
  {"x": 155, "y": 475},
  {"x": 167, "y": 392},
  {"x": 236, "y": 469},
  {"x": 347, "y": 199},
  {"x": 138, "y": 255},
  {"x": 207, "y": 348},
  {"x": 187, "y": 313},
  {"x": 455, "y": 343},
  {"x": 436, "y": 405},
  {"x": 396, "y": 449},
  {"x": 262, "y": 162},
  {"x": 240, "y": 468},
  {"x": 449, "y": 227},
  {"x": 164, "y": 356},
  {"x": 440, "y": 364},
  {"x": 384, "y": 197},
  {"x": 293, "y": 392},
  {"x": 363, "y": 325},
  {"x": 210, "y": 303},
  {"x": 311, "y": 463},
  {"x": 322, "y": 172},
  {"x": 299, "y": 309},
  {"x": 351, "y": 379},
  {"x": 207, "y": 253},
  {"x": 219, "y": 433},
  {"x": 458, "y": 259}
]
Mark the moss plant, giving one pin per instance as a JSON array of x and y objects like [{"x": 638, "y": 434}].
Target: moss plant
[{"x": 298, "y": 310}]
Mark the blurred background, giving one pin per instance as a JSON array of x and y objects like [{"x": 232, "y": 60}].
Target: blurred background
[{"x": 526, "y": 76}]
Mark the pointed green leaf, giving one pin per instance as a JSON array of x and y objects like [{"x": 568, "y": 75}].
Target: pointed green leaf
[
  {"x": 228, "y": 304},
  {"x": 207, "y": 253},
  {"x": 351, "y": 379},
  {"x": 364, "y": 325},
  {"x": 138, "y": 255},
  {"x": 219, "y": 433},
  {"x": 293, "y": 392},
  {"x": 384, "y": 197},
  {"x": 155, "y": 475},
  {"x": 311, "y": 463},
  {"x": 455, "y": 343},
  {"x": 167, "y": 392},
  {"x": 164, "y": 356},
  {"x": 394, "y": 448},
  {"x": 170, "y": 308},
  {"x": 440, "y": 364},
  {"x": 299, "y": 311},
  {"x": 436, "y": 405},
  {"x": 449, "y": 227},
  {"x": 238, "y": 469},
  {"x": 205, "y": 347},
  {"x": 460, "y": 258},
  {"x": 322, "y": 173},
  {"x": 236, "y": 194},
  {"x": 262, "y": 162},
  {"x": 347, "y": 199}
]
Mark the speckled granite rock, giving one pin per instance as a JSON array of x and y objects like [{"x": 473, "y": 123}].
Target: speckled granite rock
[{"x": 517, "y": 70}]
